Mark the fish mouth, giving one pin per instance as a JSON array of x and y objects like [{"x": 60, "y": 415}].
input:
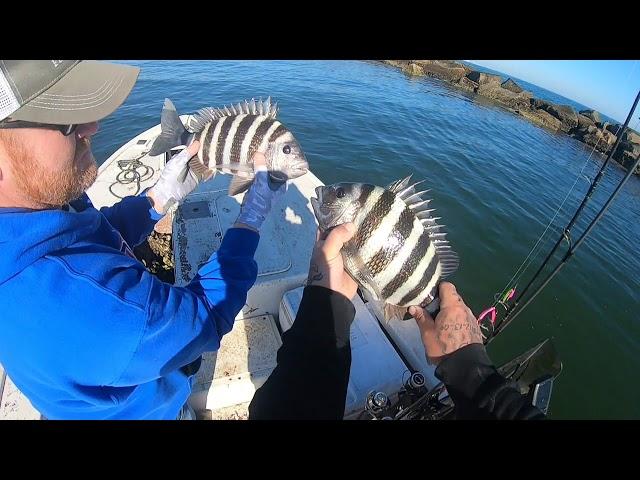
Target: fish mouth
[
  {"x": 278, "y": 177},
  {"x": 299, "y": 169},
  {"x": 316, "y": 207},
  {"x": 316, "y": 203},
  {"x": 328, "y": 216},
  {"x": 289, "y": 173}
]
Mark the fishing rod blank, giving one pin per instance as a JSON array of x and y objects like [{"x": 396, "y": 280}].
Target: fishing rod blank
[
  {"x": 572, "y": 249},
  {"x": 510, "y": 315}
]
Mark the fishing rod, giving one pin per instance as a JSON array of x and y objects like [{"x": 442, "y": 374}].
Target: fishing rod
[
  {"x": 513, "y": 311},
  {"x": 416, "y": 402}
]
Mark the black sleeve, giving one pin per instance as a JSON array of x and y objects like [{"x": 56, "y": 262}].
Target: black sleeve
[
  {"x": 479, "y": 391},
  {"x": 311, "y": 378}
]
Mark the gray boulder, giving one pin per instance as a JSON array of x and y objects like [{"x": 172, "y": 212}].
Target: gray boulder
[
  {"x": 566, "y": 114},
  {"x": 482, "y": 78},
  {"x": 413, "y": 69},
  {"x": 632, "y": 148},
  {"x": 632, "y": 136},
  {"x": 585, "y": 122},
  {"x": 503, "y": 96},
  {"x": 467, "y": 85},
  {"x": 596, "y": 139},
  {"x": 541, "y": 118},
  {"x": 512, "y": 86},
  {"x": 592, "y": 114},
  {"x": 540, "y": 104},
  {"x": 398, "y": 63},
  {"x": 626, "y": 159},
  {"x": 613, "y": 127},
  {"x": 443, "y": 69}
]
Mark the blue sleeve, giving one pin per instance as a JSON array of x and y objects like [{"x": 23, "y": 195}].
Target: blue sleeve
[
  {"x": 183, "y": 322},
  {"x": 133, "y": 217}
]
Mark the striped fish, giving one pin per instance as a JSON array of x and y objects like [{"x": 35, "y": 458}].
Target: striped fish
[
  {"x": 229, "y": 137},
  {"x": 399, "y": 253}
]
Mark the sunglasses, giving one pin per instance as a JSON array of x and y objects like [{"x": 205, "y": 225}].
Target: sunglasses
[{"x": 66, "y": 130}]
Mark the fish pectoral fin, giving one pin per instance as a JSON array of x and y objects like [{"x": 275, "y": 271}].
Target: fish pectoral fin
[
  {"x": 183, "y": 174},
  {"x": 198, "y": 169},
  {"x": 239, "y": 185},
  {"x": 392, "y": 312}
]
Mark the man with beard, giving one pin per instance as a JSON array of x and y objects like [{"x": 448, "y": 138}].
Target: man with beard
[{"x": 86, "y": 331}]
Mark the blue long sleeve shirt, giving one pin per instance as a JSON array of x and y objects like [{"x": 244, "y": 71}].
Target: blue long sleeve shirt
[{"x": 86, "y": 332}]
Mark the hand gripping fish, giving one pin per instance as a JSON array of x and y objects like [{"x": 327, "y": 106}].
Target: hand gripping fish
[{"x": 399, "y": 253}]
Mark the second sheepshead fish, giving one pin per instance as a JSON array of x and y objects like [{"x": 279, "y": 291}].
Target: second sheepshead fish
[
  {"x": 399, "y": 252},
  {"x": 229, "y": 137}
]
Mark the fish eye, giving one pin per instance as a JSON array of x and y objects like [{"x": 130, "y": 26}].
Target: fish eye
[
  {"x": 340, "y": 192},
  {"x": 286, "y": 149}
]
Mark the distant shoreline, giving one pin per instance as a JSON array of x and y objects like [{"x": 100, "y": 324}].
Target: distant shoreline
[
  {"x": 577, "y": 106},
  {"x": 586, "y": 126}
]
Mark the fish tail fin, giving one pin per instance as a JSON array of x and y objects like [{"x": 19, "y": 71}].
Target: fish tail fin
[
  {"x": 172, "y": 133},
  {"x": 394, "y": 312}
]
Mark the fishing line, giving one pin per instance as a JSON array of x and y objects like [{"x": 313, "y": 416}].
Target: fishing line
[
  {"x": 527, "y": 263},
  {"x": 566, "y": 235}
]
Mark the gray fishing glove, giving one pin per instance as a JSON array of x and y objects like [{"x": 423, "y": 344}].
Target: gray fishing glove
[
  {"x": 170, "y": 187},
  {"x": 259, "y": 199}
]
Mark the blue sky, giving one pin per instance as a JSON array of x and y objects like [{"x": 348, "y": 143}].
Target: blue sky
[{"x": 609, "y": 86}]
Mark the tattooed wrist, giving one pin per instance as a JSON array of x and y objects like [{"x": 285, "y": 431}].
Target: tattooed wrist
[{"x": 315, "y": 275}]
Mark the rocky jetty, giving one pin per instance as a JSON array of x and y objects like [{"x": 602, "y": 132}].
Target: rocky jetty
[{"x": 585, "y": 126}]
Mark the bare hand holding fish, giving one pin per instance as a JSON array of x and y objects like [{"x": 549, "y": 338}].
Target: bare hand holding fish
[
  {"x": 453, "y": 328},
  {"x": 326, "y": 268},
  {"x": 399, "y": 252}
]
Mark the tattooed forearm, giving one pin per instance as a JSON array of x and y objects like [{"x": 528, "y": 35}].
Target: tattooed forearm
[{"x": 315, "y": 275}]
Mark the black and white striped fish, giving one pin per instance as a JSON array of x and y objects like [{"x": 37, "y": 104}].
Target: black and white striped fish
[
  {"x": 229, "y": 137},
  {"x": 399, "y": 253}
]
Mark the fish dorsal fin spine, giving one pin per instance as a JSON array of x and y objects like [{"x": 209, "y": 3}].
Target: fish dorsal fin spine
[
  {"x": 419, "y": 205},
  {"x": 209, "y": 114}
]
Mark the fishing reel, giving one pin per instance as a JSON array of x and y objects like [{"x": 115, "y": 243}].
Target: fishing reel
[
  {"x": 378, "y": 406},
  {"x": 532, "y": 372},
  {"x": 413, "y": 401}
]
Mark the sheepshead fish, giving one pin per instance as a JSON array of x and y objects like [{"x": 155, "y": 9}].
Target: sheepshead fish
[
  {"x": 229, "y": 137},
  {"x": 399, "y": 252}
]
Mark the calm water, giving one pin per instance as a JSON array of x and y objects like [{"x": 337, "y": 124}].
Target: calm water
[{"x": 496, "y": 180}]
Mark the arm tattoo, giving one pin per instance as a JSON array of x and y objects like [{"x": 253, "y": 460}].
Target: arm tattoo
[{"x": 315, "y": 275}]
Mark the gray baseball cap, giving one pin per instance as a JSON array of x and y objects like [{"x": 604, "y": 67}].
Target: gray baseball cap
[{"x": 63, "y": 91}]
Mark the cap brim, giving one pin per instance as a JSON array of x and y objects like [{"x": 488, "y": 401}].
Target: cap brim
[{"x": 89, "y": 92}]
